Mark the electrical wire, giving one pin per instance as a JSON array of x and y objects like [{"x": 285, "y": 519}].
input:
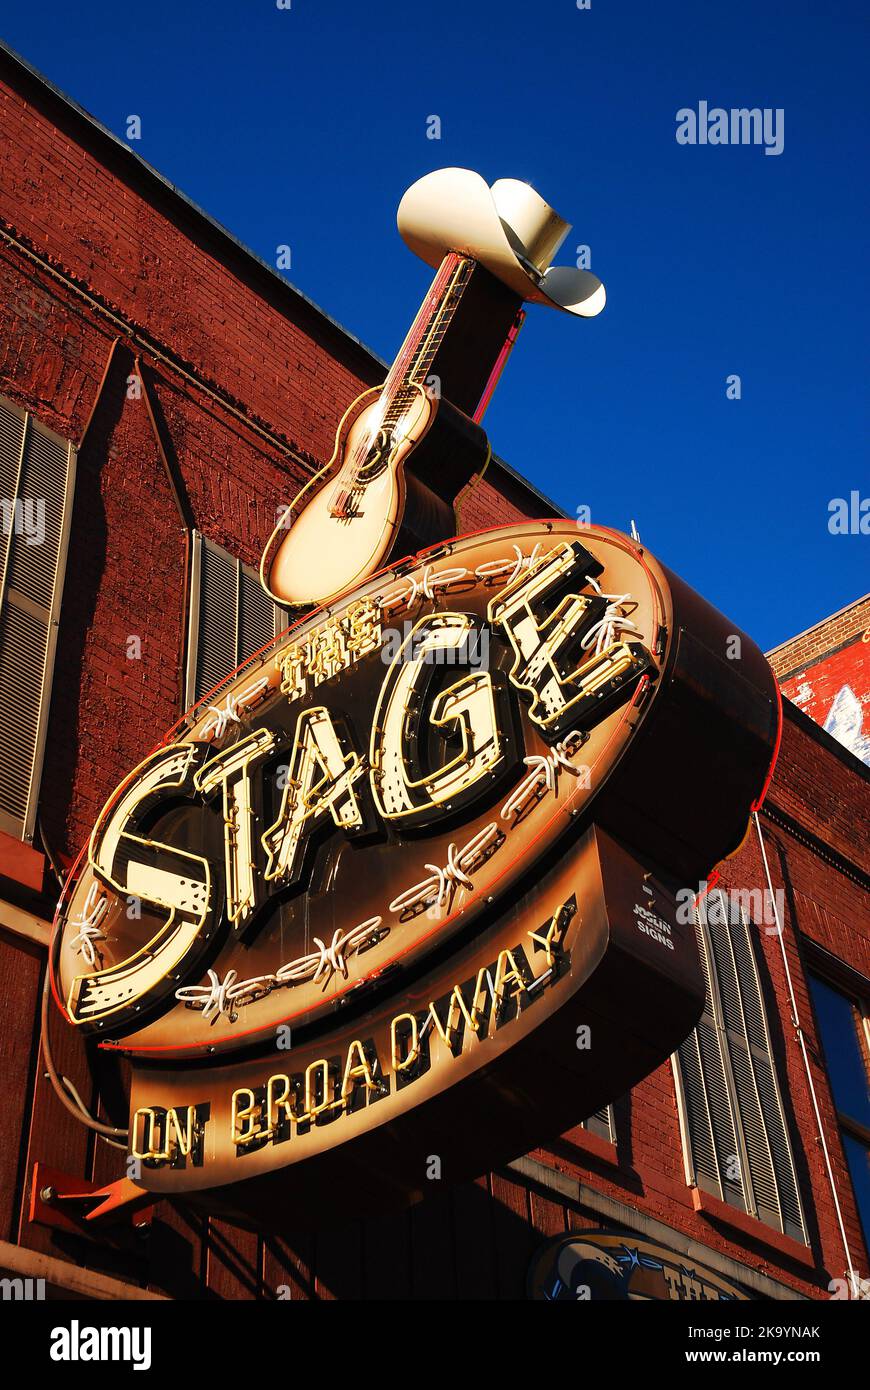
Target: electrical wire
[
  {"x": 115, "y": 1143},
  {"x": 64, "y": 1089},
  {"x": 61, "y": 1084},
  {"x": 49, "y": 853}
]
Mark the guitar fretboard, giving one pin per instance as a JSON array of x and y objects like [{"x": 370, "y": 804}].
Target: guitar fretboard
[{"x": 426, "y": 334}]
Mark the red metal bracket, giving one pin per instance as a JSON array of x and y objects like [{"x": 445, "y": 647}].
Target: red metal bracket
[{"x": 84, "y": 1208}]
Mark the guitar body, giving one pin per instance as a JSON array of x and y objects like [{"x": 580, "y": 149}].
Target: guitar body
[{"x": 403, "y": 506}]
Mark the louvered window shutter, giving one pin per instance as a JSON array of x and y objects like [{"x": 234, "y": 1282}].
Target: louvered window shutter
[
  {"x": 602, "y": 1123},
  {"x": 231, "y": 617},
  {"x": 37, "y": 476},
  {"x": 734, "y": 1133},
  {"x": 259, "y": 619}
]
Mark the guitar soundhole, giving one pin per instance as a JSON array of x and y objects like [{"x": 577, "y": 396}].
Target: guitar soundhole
[
  {"x": 377, "y": 457},
  {"x": 351, "y": 482}
]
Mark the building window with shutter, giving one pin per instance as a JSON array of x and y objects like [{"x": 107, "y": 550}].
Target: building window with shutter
[
  {"x": 735, "y": 1138},
  {"x": 37, "y": 476},
  {"x": 845, "y": 1037},
  {"x": 231, "y": 617},
  {"x": 602, "y": 1123}
]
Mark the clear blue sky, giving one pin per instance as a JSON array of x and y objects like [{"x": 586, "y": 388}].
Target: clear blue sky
[{"x": 304, "y": 126}]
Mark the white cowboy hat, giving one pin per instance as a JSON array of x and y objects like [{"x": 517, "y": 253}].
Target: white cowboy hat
[{"x": 508, "y": 228}]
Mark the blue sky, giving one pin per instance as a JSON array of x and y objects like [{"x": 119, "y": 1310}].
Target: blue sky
[{"x": 304, "y": 127}]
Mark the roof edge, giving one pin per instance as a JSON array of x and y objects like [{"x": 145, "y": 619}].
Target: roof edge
[
  {"x": 154, "y": 177},
  {"x": 814, "y": 626}
]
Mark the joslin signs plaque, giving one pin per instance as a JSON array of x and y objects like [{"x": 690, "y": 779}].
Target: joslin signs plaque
[{"x": 404, "y": 886}]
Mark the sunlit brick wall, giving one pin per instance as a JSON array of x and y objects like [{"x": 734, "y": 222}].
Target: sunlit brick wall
[{"x": 826, "y": 672}]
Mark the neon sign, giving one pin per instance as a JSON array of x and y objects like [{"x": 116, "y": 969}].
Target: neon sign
[{"x": 377, "y": 873}]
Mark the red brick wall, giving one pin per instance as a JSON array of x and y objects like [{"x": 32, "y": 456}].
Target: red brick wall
[
  {"x": 248, "y": 383},
  {"x": 163, "y": 271},
  {"x": 826, "y": 905},
  {"x": 835, "y": 692},
  {"x": 826, "y": 671},
  {"x": 152, "y": 275},
  {"x": 819, "y": 641}
]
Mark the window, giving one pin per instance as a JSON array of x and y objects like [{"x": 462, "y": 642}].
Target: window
[
  {"x": 231, "y": 617},
  {"x": 735, "y": 1140},
  {"x": 602, "y": 1123},
  {"x": 843, "y": 1032},
  {"x": 37, "y": 475}
]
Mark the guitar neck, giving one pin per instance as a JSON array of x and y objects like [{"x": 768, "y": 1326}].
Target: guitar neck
[
  {"x": 410, "y": 369},
  {"x": 425, "y": 336}
]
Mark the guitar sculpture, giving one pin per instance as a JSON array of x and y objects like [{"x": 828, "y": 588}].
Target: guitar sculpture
[{"x": 402, "y": 451}]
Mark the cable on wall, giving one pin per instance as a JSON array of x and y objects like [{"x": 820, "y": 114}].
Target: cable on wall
[{"x": 64, "y": 1089}]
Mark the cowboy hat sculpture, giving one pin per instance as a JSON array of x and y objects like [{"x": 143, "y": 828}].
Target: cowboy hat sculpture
[{"x": 507, "y": 227}]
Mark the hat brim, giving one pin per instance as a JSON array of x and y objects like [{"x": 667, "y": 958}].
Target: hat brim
[{"x": 454, "y": 210}]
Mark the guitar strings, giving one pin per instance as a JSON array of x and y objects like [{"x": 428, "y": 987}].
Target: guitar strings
[
  {"x": 419, "y": 348},
  {"x": 352, "y": 469}
]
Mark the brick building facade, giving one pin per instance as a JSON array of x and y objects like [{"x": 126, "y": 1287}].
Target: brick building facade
[
  {"x": 197, "y": 390},
  {"x": 826, "y": 672}
]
